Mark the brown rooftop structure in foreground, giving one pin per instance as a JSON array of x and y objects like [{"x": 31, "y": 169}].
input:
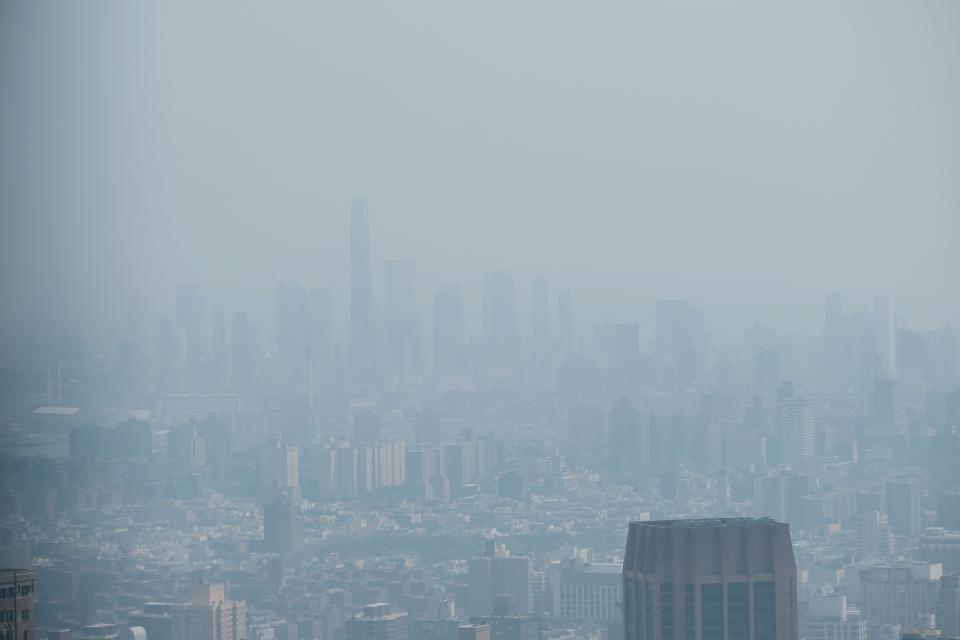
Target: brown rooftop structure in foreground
[{"x": 707, "y": 579}]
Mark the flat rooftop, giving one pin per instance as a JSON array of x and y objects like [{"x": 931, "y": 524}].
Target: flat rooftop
[{"x": 703, "y": 523}]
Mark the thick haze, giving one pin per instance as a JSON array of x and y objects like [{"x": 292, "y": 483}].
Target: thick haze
[{"x": 751, "y": 156}]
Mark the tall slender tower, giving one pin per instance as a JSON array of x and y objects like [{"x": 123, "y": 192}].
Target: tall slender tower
[
  {"x": 885, "y": 331},
  {"x": 710, "y": 578},
  {"x": 363, "y": 348}
]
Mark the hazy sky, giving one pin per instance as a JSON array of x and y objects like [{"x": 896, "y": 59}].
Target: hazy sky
[{"x": 750, "y": 156}]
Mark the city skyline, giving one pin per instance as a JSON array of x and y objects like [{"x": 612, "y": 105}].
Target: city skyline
[
  {"x": 640, "y": 163},
  {"x": 479, "y": 321},
  {"x": 376, "y": 293}
]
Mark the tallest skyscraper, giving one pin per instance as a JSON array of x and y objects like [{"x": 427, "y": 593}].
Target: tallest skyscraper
[{"x": 363, "y": 350}]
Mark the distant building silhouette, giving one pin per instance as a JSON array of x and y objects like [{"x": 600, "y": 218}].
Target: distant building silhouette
[
  {"x": 403, "y": 353},
  {"x": 363, "y": 335},
  {"x": 798, "y": 430},
  {"x": 448, "y": 330},
  {"x": 885, "y": 332},
  {"x": 497, "y": 573},
  {"x": 283, "y": 524},
  {"x": 905, "y": 506}
]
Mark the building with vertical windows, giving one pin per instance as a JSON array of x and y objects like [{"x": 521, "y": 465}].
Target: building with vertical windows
[
  {"x": 799, "y": 430},
  {"x": 363, "y": 335},
  {"x": 885, "y": 333},
  {"x": 938, "y": 545},
  {"x": 283, "y": 522},
  {"x": 591, "y": 593},
  {"x": 901, "y": 595},
  {"x": 628, "y": 433},
  {"x": 280, "y": 468},
  {"x": 889, "y": 407},
  {"x": 473, "y": 632},
  {"x": 16, "y": 604},
  {"x": 732, "y": 578},
  {"x": 506, "y": 625},
  {"x": 209, "y": 616},
  {"x": 498, "y": 574},
  {"x": 829, "y": 618},
  {"x": 948, "y": 605},
  {"x": 905, "y": 505},
  {"x": 14, "y": 552}
]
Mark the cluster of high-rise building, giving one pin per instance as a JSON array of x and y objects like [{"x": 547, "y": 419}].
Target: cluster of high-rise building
[{"x": 405, "y": 476}]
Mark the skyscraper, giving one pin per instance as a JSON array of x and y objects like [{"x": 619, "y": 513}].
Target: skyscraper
[
  {"x": 838, "y": 355},
  {"x": 501, "y": 341},
  {"x": 948, "y": 605},
  {"x": 363, "y": 348},
  {"x": 403, "y": 316},
  {"x": 885, "y": 332},
  {"x": 292, "y": 329},
  {"x": 629, "y": 435},
  {"x": 283, "y": 522},
  {"x": 890, "y": 409},
  {"x": 798, "y": 429},
  {"x": 905, "y": 506},
  {"x": 715, "y": 578},
  {"x": 448, "y": 329},
  {"x": 279, "y": 466},
  {"x": 681, "y": 337}
]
